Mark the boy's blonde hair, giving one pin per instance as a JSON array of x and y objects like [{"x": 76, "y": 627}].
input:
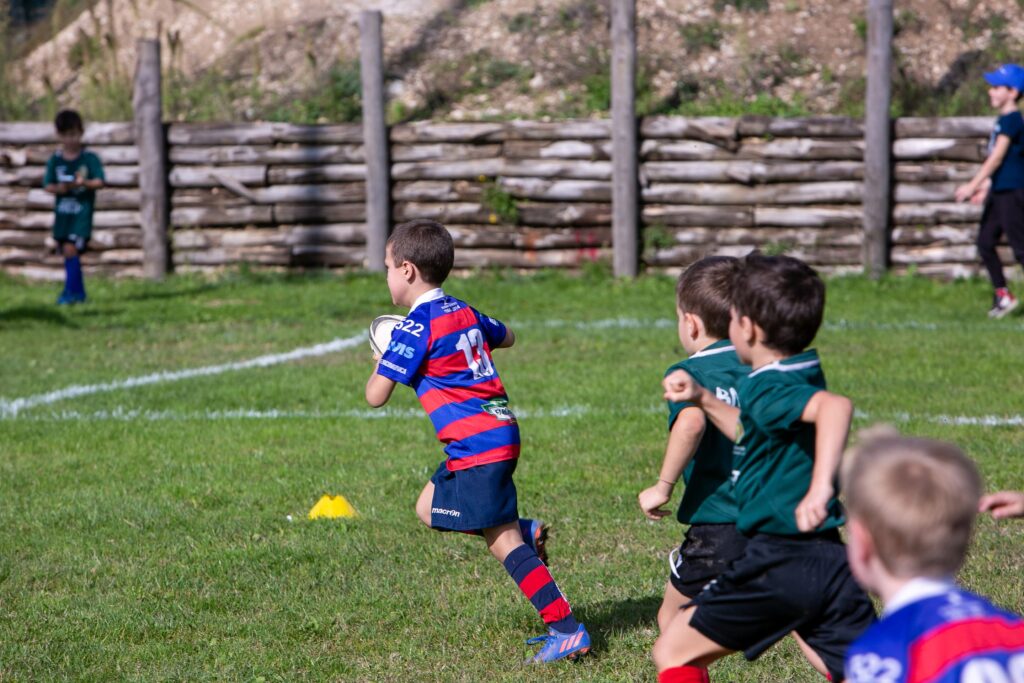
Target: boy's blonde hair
[{"x": 917, "y": 498}]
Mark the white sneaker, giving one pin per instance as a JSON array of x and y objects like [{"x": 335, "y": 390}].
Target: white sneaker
[{"x": 1003, "y": 303}]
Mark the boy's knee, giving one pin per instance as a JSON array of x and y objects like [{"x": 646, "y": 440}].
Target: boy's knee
[
  {"x": 664, "y": 654},
  {"x": 69, "y": 250},
  {"x": 423, "y": 513}
]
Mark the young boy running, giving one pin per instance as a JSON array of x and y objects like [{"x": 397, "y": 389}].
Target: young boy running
[
  {"x": 911, "y": 506},
  {"x": 790, "y": 434},
  {"x": 73, "y": 174},
  {"x": 999, "y": 183},
  {"x": 443, "y": 351},
  {"x": 703, "y": 456}
]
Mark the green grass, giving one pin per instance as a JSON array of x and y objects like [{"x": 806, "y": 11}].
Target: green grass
[{"x": 157, "y": 547}]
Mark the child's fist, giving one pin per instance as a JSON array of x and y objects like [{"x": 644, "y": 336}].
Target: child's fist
[{"x": 680, "y": 386}]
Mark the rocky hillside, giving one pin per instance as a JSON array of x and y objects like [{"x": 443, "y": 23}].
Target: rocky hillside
[{"x": 471, "y": 59}]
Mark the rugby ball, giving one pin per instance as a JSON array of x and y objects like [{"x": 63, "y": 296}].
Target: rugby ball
[{"x": 380, "y": 332}]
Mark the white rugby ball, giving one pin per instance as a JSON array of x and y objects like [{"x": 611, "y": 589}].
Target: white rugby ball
[{"x": 380, "y": 332}]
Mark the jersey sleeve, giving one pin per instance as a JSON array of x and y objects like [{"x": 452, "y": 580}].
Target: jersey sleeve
[
  {"x": 50, "y": 175},
  {"x": 776, "y": 408},
  {"x": 1011, "y": 125},
  {"x": 407, "y": 351},
  {"x": 95, "y": 166},
  {"x": 494, "y": 330}
]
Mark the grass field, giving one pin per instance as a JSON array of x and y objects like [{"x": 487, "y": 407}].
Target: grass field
[{"x": 145, "y": 533}]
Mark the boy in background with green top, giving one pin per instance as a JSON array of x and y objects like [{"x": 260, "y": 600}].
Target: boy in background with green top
[{"x": 73, "y": 174}]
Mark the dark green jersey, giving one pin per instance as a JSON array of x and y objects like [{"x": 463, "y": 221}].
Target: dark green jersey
[
  {"x": 775, "y": 453},
  {"x": 73, "y": 211},
  {"x": 708, "y": 498}
]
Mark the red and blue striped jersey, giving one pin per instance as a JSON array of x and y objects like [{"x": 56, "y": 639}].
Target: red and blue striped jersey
[
  {"x": 443, "y": 351},
  {"x": 952, "y": 637}
]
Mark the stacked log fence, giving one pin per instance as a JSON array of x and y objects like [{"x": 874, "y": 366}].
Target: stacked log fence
[{"x": 514, "y": 194}]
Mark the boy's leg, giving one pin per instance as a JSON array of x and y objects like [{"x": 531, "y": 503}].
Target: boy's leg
[
  {"x": 988, "y": 239},
  {"x": 424, "y": 503},
  {"x": 812, "y": 656},
  {"x": 74, "y": 284},
  {"x": 566, "y": 637},
  {"x": 671, "y": 606},
  {"x": 682, "y": 653}
]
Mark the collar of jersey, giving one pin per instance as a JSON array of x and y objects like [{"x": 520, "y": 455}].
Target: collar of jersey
[
  {"x": 423, "y": 298},
  {"x": 720, "y": 346},
  {"x": 801, "y": 361},
  {"x": 918, "y": 589}
]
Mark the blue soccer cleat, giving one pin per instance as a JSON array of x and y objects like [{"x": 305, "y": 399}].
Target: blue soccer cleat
[
  {"x": 535, "y": 534},
  {"x": 557, "y": 646}
]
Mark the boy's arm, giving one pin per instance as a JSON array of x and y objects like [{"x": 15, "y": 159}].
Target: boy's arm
[
  {"x": 378, "y": 389},
  {"x": 1003, "y": 504},
  {"x": 509, "y": 340},
  {"x": 831, "y": 415},
  {"x": 680, "y": 386},
  {"x": 683, "y": 439},
  {"x": 995, "y": 158}
]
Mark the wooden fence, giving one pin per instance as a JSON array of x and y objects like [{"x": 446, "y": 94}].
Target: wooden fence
[{"x": 518, "y": 194}]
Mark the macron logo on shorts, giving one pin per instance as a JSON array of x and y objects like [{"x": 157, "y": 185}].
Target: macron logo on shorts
[{"x": 445, "y": 511}]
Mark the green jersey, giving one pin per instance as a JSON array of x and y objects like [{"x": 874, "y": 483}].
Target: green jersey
[
  {"x": 708, "y": 498},
  {"x": 73, "y": 211},
  {"x": 774, "y": 456}
]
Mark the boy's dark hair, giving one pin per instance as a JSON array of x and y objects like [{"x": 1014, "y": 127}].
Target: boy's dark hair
[
  {"x": 68, "y": 120},
  {"x": 703, "y": 289},
  {"x": 784, "y": 296},
  {"x": 427, "y": 245}
]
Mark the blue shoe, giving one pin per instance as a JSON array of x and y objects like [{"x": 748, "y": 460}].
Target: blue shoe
[
  {"x": 65, "y": 299},
  {"x": 557, "y": 646},
  {"x": 535, "y": 534}
]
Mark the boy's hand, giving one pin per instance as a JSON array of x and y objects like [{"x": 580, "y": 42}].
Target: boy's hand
[
  {"x": 680, "y": 386},
  {"x": 812, "y": 510},
  {"x": 651, "y": 499},
  {"x": 1003, "y": 504},
  {"x": 964, "y": 192}
]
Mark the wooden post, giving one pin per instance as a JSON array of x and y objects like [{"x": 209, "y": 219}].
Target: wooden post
[
  {"x": 375, "y": 139},
  {"x": 149, "y": 136},
  {"x": 878, "y": 139},
  {"x": 625, "y": 213}
]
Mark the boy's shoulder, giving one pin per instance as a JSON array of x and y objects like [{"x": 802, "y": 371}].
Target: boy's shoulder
[
  {"x": 952, "y": 627},
  {"x": 802, "y": 368},
  {"x": 720, "y": 355}
]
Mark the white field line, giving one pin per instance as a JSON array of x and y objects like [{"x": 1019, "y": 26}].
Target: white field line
[
  {"x": 832, "y": 326},
  {"x": 123, "y": 414},
  {"x": 11, "y": 408}
]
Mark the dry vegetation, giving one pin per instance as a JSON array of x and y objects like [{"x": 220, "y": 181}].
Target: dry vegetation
[{"x": 486, "y": 59}]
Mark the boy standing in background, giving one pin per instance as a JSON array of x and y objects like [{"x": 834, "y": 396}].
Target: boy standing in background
[
  {"x": 999, "y": 184},
  {"x": 73, "y": 174}
]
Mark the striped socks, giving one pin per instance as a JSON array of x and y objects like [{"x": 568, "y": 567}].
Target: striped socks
[{"x": 535, "y": 581}]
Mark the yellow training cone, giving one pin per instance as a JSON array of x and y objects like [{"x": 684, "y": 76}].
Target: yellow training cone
[{"x": 332, "y": 506}]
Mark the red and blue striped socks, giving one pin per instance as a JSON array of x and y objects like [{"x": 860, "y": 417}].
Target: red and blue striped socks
[{"x": 535, "y": 581}]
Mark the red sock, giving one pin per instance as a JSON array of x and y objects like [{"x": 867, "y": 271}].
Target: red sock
[{"x": 684, "y": 674}]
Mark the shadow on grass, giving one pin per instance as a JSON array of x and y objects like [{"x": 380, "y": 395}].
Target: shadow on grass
[
  {"x": 38, "y": 314},
  {"x": 171, "y": 292},
  {"x": 621, "y": 615}
]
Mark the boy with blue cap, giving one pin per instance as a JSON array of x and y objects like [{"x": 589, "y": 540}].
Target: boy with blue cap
[{"x": 999, "y": 183}]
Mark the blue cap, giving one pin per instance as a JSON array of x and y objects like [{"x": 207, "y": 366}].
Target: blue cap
[{"x": 1010, "y": 75}]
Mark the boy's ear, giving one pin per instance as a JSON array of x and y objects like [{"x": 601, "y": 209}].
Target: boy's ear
[
  {"x": 694, "y": 325},
  {"x": 751, "y": 331},
  {"x": 860, "y": 551}
]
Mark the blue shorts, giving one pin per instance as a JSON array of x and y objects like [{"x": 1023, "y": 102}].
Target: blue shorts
[{"x": 475, "y": 498}]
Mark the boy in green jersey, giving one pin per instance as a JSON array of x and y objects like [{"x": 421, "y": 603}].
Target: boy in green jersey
[
  {"x": 703, "y": 456},
  {"x": 73, "y": 174},
  {"x": 790, "y": 434}
]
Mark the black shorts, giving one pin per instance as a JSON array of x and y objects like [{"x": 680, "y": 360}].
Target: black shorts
[
  {"x": 784, "y": 584},
  {"x": 706, "y": 552},
  {"x": 475, "y": 498}
]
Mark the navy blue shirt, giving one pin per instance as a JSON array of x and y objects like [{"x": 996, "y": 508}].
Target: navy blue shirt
[{"x": 1010, "y": 174}]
